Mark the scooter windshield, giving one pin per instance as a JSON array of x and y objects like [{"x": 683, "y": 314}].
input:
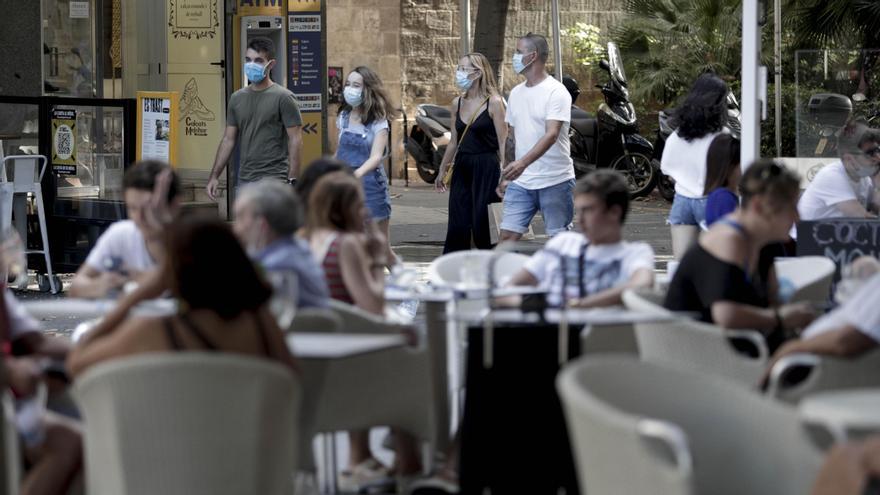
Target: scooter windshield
[{"x": 616, "y": 64}]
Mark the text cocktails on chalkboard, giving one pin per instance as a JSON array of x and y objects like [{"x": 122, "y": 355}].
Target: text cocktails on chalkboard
[{"x": 840, "y": 239}]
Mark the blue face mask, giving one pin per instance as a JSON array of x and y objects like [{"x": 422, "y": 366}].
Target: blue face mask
[
  {"x": 518, "y": 65},
  {"x": 254, "y": 72},
  {"x": 353, "y": 96},
  {"x": 462, "y": 81}
]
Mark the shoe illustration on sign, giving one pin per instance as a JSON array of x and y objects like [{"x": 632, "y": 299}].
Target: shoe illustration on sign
[{"x": 191, "y": 104}]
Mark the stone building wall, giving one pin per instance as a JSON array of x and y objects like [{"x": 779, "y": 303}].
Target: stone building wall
[
  {"x": 430, "y": 43},
  {"x": 414, "y": 45},
  {"x": 367, "y": 32}
]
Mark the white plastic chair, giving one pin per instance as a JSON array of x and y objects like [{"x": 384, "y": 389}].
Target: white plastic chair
[
  {"x": 471, "y": 268},
  {"x": 27, "y": 173},
  {"x": 798, "y": 375},
  {"x": 704, "y": 348},
  {"x": 189, "y": 423},
  {"x": 12, "y": 460},
  {"x": 639, "y": 427},
  {"x": 645, "y": 301},
  {"x": 811, "y": 277}
]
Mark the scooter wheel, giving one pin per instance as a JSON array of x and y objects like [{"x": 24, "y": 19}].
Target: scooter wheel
[
  {"x": 427, "y": 172},
  {"x": 640, "y": 174}
]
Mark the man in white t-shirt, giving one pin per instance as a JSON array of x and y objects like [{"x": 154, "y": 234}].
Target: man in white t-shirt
[
  {"x": 123, "y": 253},
  {"x": 539, "y": 175},
  {"x": 595, "y": 266},
  {"x": 850, "y": 330},
  {"x": 845, "y": 188}
]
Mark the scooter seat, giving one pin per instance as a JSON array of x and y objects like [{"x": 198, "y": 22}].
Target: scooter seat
[
  {"x": 440, "y": 114},
  {"x": 583, "y": 122}
]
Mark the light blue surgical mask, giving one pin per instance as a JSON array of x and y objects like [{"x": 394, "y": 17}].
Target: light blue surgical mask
[
  {"x": 254, "y": 72},
  {"x": 353, "y": 96},
  {"x": 518, "y": 65},
  {"x": 462, "y": 81}
]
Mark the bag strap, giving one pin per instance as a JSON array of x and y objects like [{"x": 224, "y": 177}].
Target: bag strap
[{"x": 473, "y": 117}]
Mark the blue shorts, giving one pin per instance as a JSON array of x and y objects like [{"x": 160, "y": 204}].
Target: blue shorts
[
  {"x": 687, "y": 211},
  {"x": 555, "y": 203}
]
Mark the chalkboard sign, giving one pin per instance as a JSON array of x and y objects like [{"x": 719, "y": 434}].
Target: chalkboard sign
[{"x": 840, "y": 239}]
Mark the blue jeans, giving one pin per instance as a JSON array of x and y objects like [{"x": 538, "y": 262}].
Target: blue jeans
[
  {"x": 687, "y": 211},
  {"x": 555, "y": 203}
]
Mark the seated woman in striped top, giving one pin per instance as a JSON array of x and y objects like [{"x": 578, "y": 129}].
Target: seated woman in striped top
[{"x": 352, "y": 252}]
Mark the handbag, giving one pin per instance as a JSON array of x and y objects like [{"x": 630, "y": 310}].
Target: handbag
[{"x": 447, "y": 178}]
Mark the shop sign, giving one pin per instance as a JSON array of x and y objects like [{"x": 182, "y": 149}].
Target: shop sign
[
  {"x": 335, "y": 85},
  {"x": 64, "y": 141},
  {"x": 305, "y": 77},
  {"x": 79, "y": 10},
  {"x": 193, "y": 19},
  {"x": 841, "y": 240},
  {"x": 157, "y": 126}
]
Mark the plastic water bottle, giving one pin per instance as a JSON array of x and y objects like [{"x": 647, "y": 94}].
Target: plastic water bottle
[{"x": 786, "y": 290}]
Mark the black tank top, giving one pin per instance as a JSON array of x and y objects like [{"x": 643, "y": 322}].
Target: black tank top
[
  {"x": 176, "y": 345},
  {"x": 481, "y": 137}
]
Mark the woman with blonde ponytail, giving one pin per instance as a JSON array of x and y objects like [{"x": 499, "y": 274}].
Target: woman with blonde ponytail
[{"x": 475, "y": 153}]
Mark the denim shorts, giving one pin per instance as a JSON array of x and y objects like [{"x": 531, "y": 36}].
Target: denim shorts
[
  {"x": 555, "y": 203},
  {"x": 687, "y": 211}
]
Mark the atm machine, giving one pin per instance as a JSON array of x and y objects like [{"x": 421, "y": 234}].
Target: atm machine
[{"x": 271, "y": 27}]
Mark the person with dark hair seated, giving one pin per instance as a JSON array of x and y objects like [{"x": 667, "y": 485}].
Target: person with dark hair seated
[
  {"x": 598, "y": 259},
  {"x": 317, "y": 169},
  {"x": 723, "y": 172},
  {"x": 727, "y": 277},
  {"x": 124, "y": 251},
  {"x": 223, "y": 310}
]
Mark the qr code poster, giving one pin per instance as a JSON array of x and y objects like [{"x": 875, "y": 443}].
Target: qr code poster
[{"x": 64, "y": 141}]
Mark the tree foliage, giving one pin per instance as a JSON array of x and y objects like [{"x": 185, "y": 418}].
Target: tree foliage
[{"x": 666, "y": 44}]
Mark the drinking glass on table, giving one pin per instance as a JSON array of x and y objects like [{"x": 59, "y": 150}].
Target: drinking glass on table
[{"x": 285, "y": 291}]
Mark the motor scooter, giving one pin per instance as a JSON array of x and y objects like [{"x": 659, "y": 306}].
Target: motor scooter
[
  {"x": 428, "y": 139},
  {"x": 611, "y": 139}
]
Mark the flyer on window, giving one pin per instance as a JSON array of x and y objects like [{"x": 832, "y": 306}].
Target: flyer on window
[{"x": 157, "y": 126}]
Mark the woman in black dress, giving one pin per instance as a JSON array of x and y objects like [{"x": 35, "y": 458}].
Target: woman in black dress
[{"x": 475, "y": 149}]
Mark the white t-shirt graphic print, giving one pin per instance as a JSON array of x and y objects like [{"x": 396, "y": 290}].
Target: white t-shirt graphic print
[
  {"x": 528, "y": 110},
  {"x": 604, "y": 266}
]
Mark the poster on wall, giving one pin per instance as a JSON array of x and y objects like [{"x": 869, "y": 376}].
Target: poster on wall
[
  {"x": 335, "y": 85},
  {"x": 157, "y": 126},
  {"x": 193, "y": 19},
  {"x": 64, "y": 141}
]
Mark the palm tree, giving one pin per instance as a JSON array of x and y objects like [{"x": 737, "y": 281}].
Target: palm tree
[
  {"x": 666, "y": 44},
  {"x": 829, "y": 23},
  {"x": 491, "y": 21}
]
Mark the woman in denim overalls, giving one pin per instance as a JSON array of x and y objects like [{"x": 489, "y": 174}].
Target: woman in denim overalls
[{"x": 363, "y": 142}]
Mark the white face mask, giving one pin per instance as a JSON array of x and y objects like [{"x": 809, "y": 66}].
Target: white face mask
[{"x": 353, "y": 96}]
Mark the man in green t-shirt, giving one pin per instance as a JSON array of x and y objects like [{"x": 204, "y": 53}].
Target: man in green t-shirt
[{"x": 266, "y": 118}]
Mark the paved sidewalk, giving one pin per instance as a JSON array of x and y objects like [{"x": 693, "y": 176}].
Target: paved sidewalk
[{"x": 419, "y": 215}]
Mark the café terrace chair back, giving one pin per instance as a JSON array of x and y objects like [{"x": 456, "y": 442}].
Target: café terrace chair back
[
  {"x": 12, "y": 460},
  {"x": 704, "y": 348},
  {"x": 798, "y": 375},
  {"x": 811, "y": 277},
  {"x": 189, "y": 423},
  {"x": 640, "y": 427},
  {"x": 645, "y": 300},
  {"x": 316, "y": 320}
]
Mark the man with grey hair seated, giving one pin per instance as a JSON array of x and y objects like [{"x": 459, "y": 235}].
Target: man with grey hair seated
[{"x": 267, "y": 215}]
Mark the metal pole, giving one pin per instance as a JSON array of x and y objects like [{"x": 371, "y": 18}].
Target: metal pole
[
  {"x": 751, "y": 115},
  {"x": 557, "y": 41},
  {"x": 465, "y": 11},
  {"x": 777, "y": 81}
]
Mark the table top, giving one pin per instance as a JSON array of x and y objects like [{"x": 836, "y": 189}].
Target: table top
[
  {"x": 94, "y": 308},
  {"x": 447, "y": 294},
  {"x": 844, "y": 409},
  {"x": 340, "y": 345},
  {"x": 597, "y": 316}
]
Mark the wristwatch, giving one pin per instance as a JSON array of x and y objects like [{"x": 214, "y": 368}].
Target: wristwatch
[{"x": 291, "y": 181}]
